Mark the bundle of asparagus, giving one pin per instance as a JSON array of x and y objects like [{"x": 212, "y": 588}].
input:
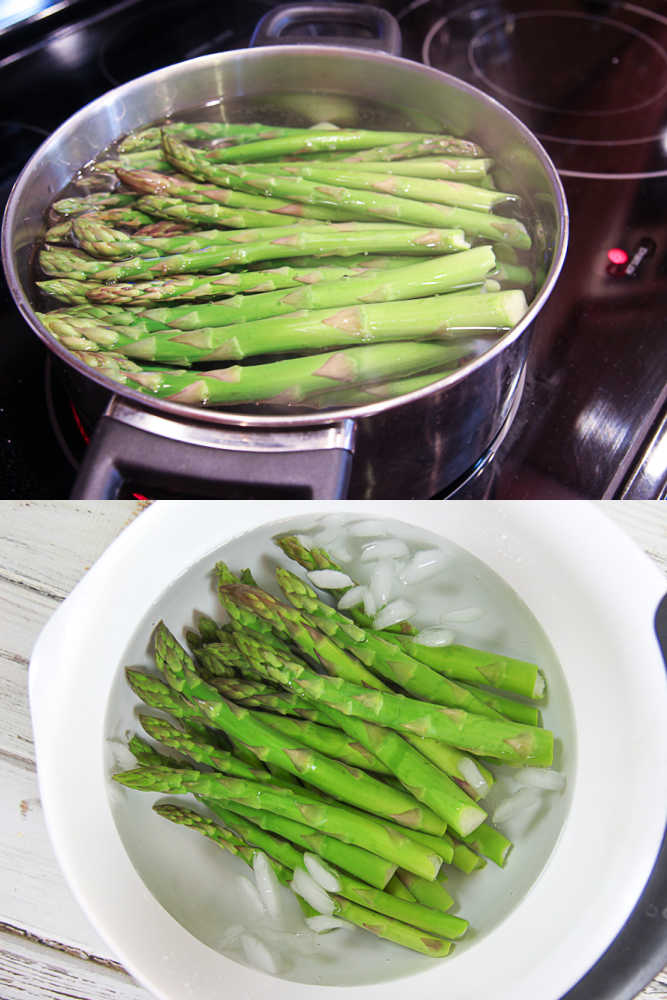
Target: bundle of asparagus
[
  {"x": 339, "y": 222},
  {"x": 337, "y": 747}
]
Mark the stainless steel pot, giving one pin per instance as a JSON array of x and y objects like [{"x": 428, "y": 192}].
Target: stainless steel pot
[{"x": 409, "y": 447}]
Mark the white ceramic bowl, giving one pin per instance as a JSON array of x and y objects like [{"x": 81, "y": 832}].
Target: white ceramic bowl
[{"x": 566, "y": 586}]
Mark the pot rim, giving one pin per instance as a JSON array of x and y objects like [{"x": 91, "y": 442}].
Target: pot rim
[{"x": 284, "y": 421}]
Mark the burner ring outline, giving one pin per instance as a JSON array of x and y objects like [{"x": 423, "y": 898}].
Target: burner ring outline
[{"x": 513, "y": 18}]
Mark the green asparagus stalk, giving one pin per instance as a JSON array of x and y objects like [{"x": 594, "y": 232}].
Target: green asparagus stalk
[
  {"x": 425, "y": 782},
  {"x": 223, "y": 838},
  {"x": 350, "y": 891},
  {"x": 491, "y": 843},
  {"x": 200, "y": 750},
  {"x": 94, "y": 202},
  {"x": 349, "y": 784},
  {"x": 429, "y": 277},
  {"x": 430, "y": 894},
  {"x": 421, "y": 242},
  {"x": 369, "y": 867},
  {"x": 148, "y": 756},
  {"x": 376, "y": 652},
  {"x": 390, "y": 929},
  {"x": 157, "y": 694},
  {"x": 461, "y": 168},
  {"x": 195, "y": 287},
  {"x": 325, "y": 739},
  {"x": 100, "y": 240},
  {"x": 414, "y": 914},
  {"x": 518, "y": 711},
  {"x": 479, "y": 667},
  {"x": 350, "y": 826},
  {"x": 466, "y": 860},
  {"x": 511, "y": 742},
  {"x": 216, "y": 215},
  {"x": 460, "y": 663},
  {"x": 240, "y": 601},
  {"x": 318, "y": 558},
  {"x": 441, "y": 317},
  {"x": 284, "y": 382},
  {"x": 185, "y": 189},
  {"x": 406, "y": 149},
  {"x": 148, "y": 159},
  {"x": 442, "y": 192},
  {"x": 405, "y": 210},
  {"x": 212, "y": 215},
  {"x": 312, "y": 141},
  {"x": 150, "y": 138}
]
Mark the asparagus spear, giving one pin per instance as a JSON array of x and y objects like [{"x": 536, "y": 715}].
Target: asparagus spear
[
  {"x": 376, "y": 205},
  {"x": 429, "y": 277},
  {"x": 406, "y": 148},
  {"x": 286, "y": 752},
  {"x": 149, "y": 756},
  {"x": 464, "y": 168},
  {"x": 212, "y": 215},
  {"x": 350, "y": 826},
  {"x": 437, "y": 317},
  {"x": 285, "y": 860},
  {"x": 479, "y": 667},
  {"x": 157, "y": 694},
  {"x": 508, "y": 741},
  {"x": 491, "y": 843},
  {"x": 313, "y": 141},
  {"x": 200, "y": 750},
  {"x": 379, "y": 654},
  {"x": 457, "y": 662},
  {"x": 325, "y": 739},
  {"x": 427, "y": 783},
  {"x": 390, "y": 929},
  {"x": 149, "y": 159},
  {"x": 518, "y": 711},
  {"x": 278, "y": 382},
  {"x": 241, "y": 601},
  {"x": 185, "y": 189},
  {"x": 430, "y": 894},
  {"x": 368, "y": 867},
  {"x": 150, "y": 138},
  {"x": 195, "y": 287},
  {"x": 100, "y": 240},
  {"x": 195, "y": 214},
  {"x": 442, "y": 192},
  {"x": 310, "y": 241},
  {"x": 94, "y": 202}
]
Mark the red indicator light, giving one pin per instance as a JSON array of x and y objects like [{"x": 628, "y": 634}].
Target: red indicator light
[{"x": 617, "y": 256}]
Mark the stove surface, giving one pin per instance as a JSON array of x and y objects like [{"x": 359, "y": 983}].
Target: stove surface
[{"x": 590, "y": 79}]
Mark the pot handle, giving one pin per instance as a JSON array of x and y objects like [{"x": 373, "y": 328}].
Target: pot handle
[
  {"x": 367, "y": 27},
  {"x": 136, "y": 451}
]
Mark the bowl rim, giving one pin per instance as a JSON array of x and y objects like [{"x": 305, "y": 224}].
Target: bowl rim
[{"x": 515, "y": 540}]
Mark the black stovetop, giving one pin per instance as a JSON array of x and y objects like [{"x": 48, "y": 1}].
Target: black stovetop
[{"x": 590, "y": 78}]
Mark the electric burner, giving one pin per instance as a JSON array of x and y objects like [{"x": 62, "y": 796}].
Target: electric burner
[
  {"x": 590, "y": 83},
  {"x": 588, "y": 77}
]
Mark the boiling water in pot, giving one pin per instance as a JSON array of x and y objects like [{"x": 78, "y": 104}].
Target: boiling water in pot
[{"x": 303, "y": 110}]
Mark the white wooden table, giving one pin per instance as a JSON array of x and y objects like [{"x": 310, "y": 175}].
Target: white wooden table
[{"x": 47, "y": 947}]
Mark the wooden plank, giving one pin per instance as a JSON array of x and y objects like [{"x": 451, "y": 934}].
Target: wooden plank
[
  {"x": 33, "y": 891},
  {"x": 34, "y": 971},
  {"x": 49, "y": 545},
  {"x": 645, "y": 521},
  {"x": 15, "y": 727}
]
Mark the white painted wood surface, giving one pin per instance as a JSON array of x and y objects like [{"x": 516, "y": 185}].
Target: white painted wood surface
[{"x": 47, "y": 946}]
